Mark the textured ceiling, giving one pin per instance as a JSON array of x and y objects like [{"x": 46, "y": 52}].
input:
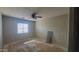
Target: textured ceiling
[{"x": 25, "y": 12}]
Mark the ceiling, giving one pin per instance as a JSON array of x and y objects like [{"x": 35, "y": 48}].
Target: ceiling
[{"x": 25, "y": 12}]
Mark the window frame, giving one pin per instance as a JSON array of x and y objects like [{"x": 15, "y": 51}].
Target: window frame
[{"x": 21, "y": 28}]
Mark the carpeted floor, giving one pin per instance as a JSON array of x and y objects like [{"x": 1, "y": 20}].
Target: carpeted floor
[{"x": 33, "y": 46}]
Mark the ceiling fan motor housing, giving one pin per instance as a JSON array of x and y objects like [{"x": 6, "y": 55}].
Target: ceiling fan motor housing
[{"x": 35, "y": 16}]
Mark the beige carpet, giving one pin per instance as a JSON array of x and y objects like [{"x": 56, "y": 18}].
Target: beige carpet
[{"x": 33, "y": 46}]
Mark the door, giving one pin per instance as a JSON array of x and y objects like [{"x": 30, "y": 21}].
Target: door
[{"x": 74, "y": 30}]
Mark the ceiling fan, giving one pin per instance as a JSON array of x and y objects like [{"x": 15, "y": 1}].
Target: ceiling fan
[{"x": 35, "y": 16}]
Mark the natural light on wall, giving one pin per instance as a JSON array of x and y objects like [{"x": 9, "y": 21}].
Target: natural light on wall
[{"x": 22, "y": 28}]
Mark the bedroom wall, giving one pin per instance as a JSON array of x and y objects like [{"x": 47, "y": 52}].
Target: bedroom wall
[
  {"x": 10, "y": 29},
  {"x": 58, "y": 25},
  {"x": 0, "y": 31}
]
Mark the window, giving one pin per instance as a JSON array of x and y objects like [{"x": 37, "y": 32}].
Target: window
[{"x": 22, "y": 28}]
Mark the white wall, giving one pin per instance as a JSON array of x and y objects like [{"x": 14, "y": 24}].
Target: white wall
[
  {"x": 0, "y": 31},
  {"x": 59, "y": 25}
]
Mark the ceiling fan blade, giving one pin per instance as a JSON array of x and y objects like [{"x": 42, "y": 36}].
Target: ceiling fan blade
[{"x": 39, "y": 16}]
